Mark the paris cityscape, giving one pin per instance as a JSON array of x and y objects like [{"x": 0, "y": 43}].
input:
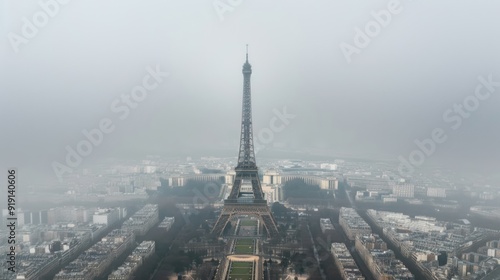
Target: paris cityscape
[{"x": 231, "y": 140}]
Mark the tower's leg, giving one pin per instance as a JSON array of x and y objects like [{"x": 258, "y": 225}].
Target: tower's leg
[
  {"x": 221, "y": 224},
  {"x": 270, "y": 225}
]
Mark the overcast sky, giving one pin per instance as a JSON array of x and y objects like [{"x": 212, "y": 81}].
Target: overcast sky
[{"x": 394, "y": 90}]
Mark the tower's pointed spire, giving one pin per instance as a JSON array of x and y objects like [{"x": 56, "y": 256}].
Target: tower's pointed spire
[{"x": 247, "y": 68}]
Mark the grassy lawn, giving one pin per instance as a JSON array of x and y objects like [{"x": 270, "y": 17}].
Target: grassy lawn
[
  {"x": 244, "y": 246},
  {"x": 243, "y": 249},
  {"x": 240, "y": 277},
  {"x": 242, "y": 264},
  {"x": 244, "y": 241},
  {"x": 241, "y": 271}
]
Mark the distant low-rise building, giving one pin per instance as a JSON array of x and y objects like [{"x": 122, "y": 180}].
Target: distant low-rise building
[
  {"x": 97, "y": 259},
  {"x": 106, "y": 216},
  {"x": 326, "y": 225},
  {"x": 345, "y": 263},
  {"x": 495, "y": 253},
  {"x": 328, "y": 166},
  {"x": 493, "y": 244},
  {"x": 436, "y": 192},
  {"x": 406, "y": 190},
  {"x": 352, "y": 223},
  {"x": 133, "y": 262},
  {"x": 143, "y": 220},
  {"x": 382, "y": 262},
  {"x": 389, "y": 199},
  {"x": 167, "y": 223}
]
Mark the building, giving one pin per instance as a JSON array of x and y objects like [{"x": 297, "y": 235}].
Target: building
[
  {"x": 182, "y": 180},
  {"x": 32, "y": 217},
  {"x": 69, "y": 215},
  {"x": 389, "y": 199},
  {"x": 107, "y": 216},
  {"x": 345, "y": 263},
  {"x": 428, "y": 243},
  {"x": 329, "y": 183},
  {"x": 143, "y": 220},
  {"x": 326, "y": 225},
  {"x": 352, "y": 223},
  {"x": 381, "y": 261},
  {"x": 328, "y": 166},
  {"x": 271, "y": 177},
  {"x": 406, "y": 190},
  {"x": 92, "y": 263},
  {"x": 493, "y": 244},
  {"x": 133, "y": 262},
  {"x": 436, "y": 192},
  {"x": 494, "y": 252},
  {"x": 167, "y": 223}
]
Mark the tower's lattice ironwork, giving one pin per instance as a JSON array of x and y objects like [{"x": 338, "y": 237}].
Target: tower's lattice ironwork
[{"x": 242, "y": 202}]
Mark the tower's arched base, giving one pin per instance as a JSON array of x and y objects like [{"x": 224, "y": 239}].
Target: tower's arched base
[{"x": 259, "y": 209}]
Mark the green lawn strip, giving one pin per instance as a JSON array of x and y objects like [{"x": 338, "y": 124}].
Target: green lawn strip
[
  {"x": 244, "y": 246},
  {"x": 241, "y": 271},
  {"x": 242, "y": 264},
  {"x": 244, "y": 241},
  {"x": 240, "y": 277},
  {"x": 243, "y": 249}
]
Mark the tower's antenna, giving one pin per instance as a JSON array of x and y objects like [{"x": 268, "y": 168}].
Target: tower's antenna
[{"x": 247, "y": 52}]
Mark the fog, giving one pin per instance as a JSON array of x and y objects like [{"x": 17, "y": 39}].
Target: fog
[{"x": 370, "y": 104}]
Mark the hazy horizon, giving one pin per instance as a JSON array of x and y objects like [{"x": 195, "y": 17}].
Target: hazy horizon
[{"x": 394, "y": 91}]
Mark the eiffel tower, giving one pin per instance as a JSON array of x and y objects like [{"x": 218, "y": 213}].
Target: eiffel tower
[{"x": 242, "y": 201}]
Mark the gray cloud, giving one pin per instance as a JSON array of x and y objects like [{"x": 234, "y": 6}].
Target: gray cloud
[{"x": 393, "y": 92}]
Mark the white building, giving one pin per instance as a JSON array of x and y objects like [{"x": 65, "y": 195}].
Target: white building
[
  {"x": 325, "y": 224},
  {"x": 149, "y": 169},
  {"x": 436, "y": 192},
  {"x": 406, "y": 190},
  {"x": 328, "y": 166},
  {"x": 167, "y": 223},
  {"x": 495, "y": 253},
  {"x": 271, "y": 177},
  {"x": 106, "y": 216}
]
